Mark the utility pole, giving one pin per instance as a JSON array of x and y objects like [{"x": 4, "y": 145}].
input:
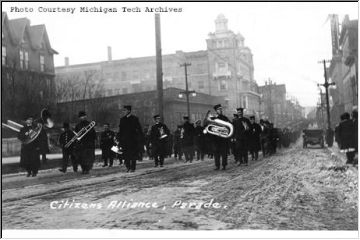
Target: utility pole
[
  {"x": 159, "y": 74},
  {"x": 187, "y": 92},
  {"x": 326, "y": 84},
  {"x": 271, "y": 114}
]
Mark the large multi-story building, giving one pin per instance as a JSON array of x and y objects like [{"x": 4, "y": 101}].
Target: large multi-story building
[
  {"x": 343, "y": 69},
  {"x": 27, "y": 69},
  {"x": 224, "y": 69}
]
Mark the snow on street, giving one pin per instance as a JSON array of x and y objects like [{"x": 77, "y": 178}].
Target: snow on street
[{"x": 296, "y": 189}]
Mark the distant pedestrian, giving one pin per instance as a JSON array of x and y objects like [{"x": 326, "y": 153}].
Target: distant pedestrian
[{"x": 177, "y": 143}]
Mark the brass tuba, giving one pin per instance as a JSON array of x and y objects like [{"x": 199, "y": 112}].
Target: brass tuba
[
  {"x": 32, "y": 134},
  {"x": 218, "y": 127}
]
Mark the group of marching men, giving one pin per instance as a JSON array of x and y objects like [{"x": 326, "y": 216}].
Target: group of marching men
[{"x": 158, "y": 142}]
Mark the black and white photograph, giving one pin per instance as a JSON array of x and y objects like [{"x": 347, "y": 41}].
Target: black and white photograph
[{"x": 210, "y": 119}]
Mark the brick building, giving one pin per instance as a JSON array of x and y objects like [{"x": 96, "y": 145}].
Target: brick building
[
  {"x": 27, "y": 69},
  {"x": 224, "y": 69},
  {"x": 144, "y": 106},
  {"x": 276, "y": 107}
]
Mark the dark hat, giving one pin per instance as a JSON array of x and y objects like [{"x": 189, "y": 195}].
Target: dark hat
[
  {"x": 217, "y": 106},
  {"x": 82, "y": 114},
  {"x": 240, "y": 109},
  {"x": 252, "y": 117},
  {"x": 66, "y": 125},
  {"x": 186, "y": 117},
  {"x": 156, "y": 116},
  {"x": 179, "y": 126},
  {"x": 128, "y": 107}
]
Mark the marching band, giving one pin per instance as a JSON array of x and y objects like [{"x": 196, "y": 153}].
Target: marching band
[{"x": 216, "y": 137}]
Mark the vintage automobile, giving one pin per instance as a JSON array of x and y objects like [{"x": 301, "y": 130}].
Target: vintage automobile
[{"x": 313, "y": 137}]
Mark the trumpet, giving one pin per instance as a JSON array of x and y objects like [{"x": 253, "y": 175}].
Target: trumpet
[
  {"x": 79, "y": 135},
  {"x": 218, "y": 127},
  {"x": 32, "y": 134}
]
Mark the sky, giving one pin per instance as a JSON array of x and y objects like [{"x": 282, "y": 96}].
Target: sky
[{"x": 287, "y": 40}]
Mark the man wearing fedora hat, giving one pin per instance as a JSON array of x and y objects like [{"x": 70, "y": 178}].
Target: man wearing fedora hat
[
  {"x": 220, "y": 144},
  {"x": 159, "y": 135},
  {"x": 85, "y": 148},
  {"x": 130, "y": 137}
]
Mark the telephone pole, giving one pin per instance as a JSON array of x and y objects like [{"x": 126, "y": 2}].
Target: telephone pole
[
  {"x": 326, "y": 84},
  {"x": 187, "y": 92},
  {"x": 159, "y": 74}
]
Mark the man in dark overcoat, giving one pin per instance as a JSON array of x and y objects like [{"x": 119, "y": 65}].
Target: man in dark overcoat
[
  {"x": 106, "y": 143},
  {"x": 30, "y": 153},
  {"x": 241, "y": 135},
  {"x": 130, "y": 137},
  {"x": 159, "y": 136},
  {"x": 85, "y": 148},
  {"x": 199, "y": 141},
  {"x": 68, "y": 153},
  {"x": 187, "y": 139},
  {"x": 177, "y": 143},
  {"x": 347, "y": 137},
  {"x": 220, "y": 144},
  {"x": 254, "y": 137}
]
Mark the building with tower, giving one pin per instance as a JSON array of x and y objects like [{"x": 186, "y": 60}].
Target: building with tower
[{"x": 225, "y": 69}]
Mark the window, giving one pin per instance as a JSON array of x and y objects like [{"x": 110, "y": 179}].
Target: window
[
  {"x": 26, "y": 60},
  {"x": 21, "y": 59},
  {"x": 223, "y": 85},
  {"x": 201, "y": 84},
  {"x": 123, "y": 76},
  {"x": 42, "y": 63},
  {"x": 3, "y": 55}
]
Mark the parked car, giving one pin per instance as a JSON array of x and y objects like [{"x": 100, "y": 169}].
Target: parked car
[{"x": 313, "y": 137}]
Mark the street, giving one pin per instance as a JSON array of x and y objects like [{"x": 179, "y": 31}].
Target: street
[{"x": 295, "y": 189}]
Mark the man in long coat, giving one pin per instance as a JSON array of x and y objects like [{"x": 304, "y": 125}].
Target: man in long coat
[
  {"x": 347, "y": 137},
  {"x": 159, "y": 136},
  {"x": 130, "y": 137},
  {"x": 187, "y": 139},
  {"x": 241, "y": 135},
  {"x": 254, "y": 137},
  {"x": 30, "y": 153},
  {"x": 85, "y": 148},
  {"x": 219, "y": 144}
]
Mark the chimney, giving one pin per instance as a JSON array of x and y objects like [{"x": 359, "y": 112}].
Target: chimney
[
  {"x": 66, "y": 61},
  {"x": 109, "y": 54}
]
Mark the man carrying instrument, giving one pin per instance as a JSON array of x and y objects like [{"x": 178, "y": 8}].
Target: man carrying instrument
[
  {"x": 106, "y": 143},
  {"x": 85, "y": 148},
  {"x": 241, "y": 135},
  {"x": 129, "y": 137},
  {"x": 159, "y": 135},
  {"x": 30, "y": 152},
  {"x": 220, "y": 144},
  {"x": 68, "y": 153}
]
